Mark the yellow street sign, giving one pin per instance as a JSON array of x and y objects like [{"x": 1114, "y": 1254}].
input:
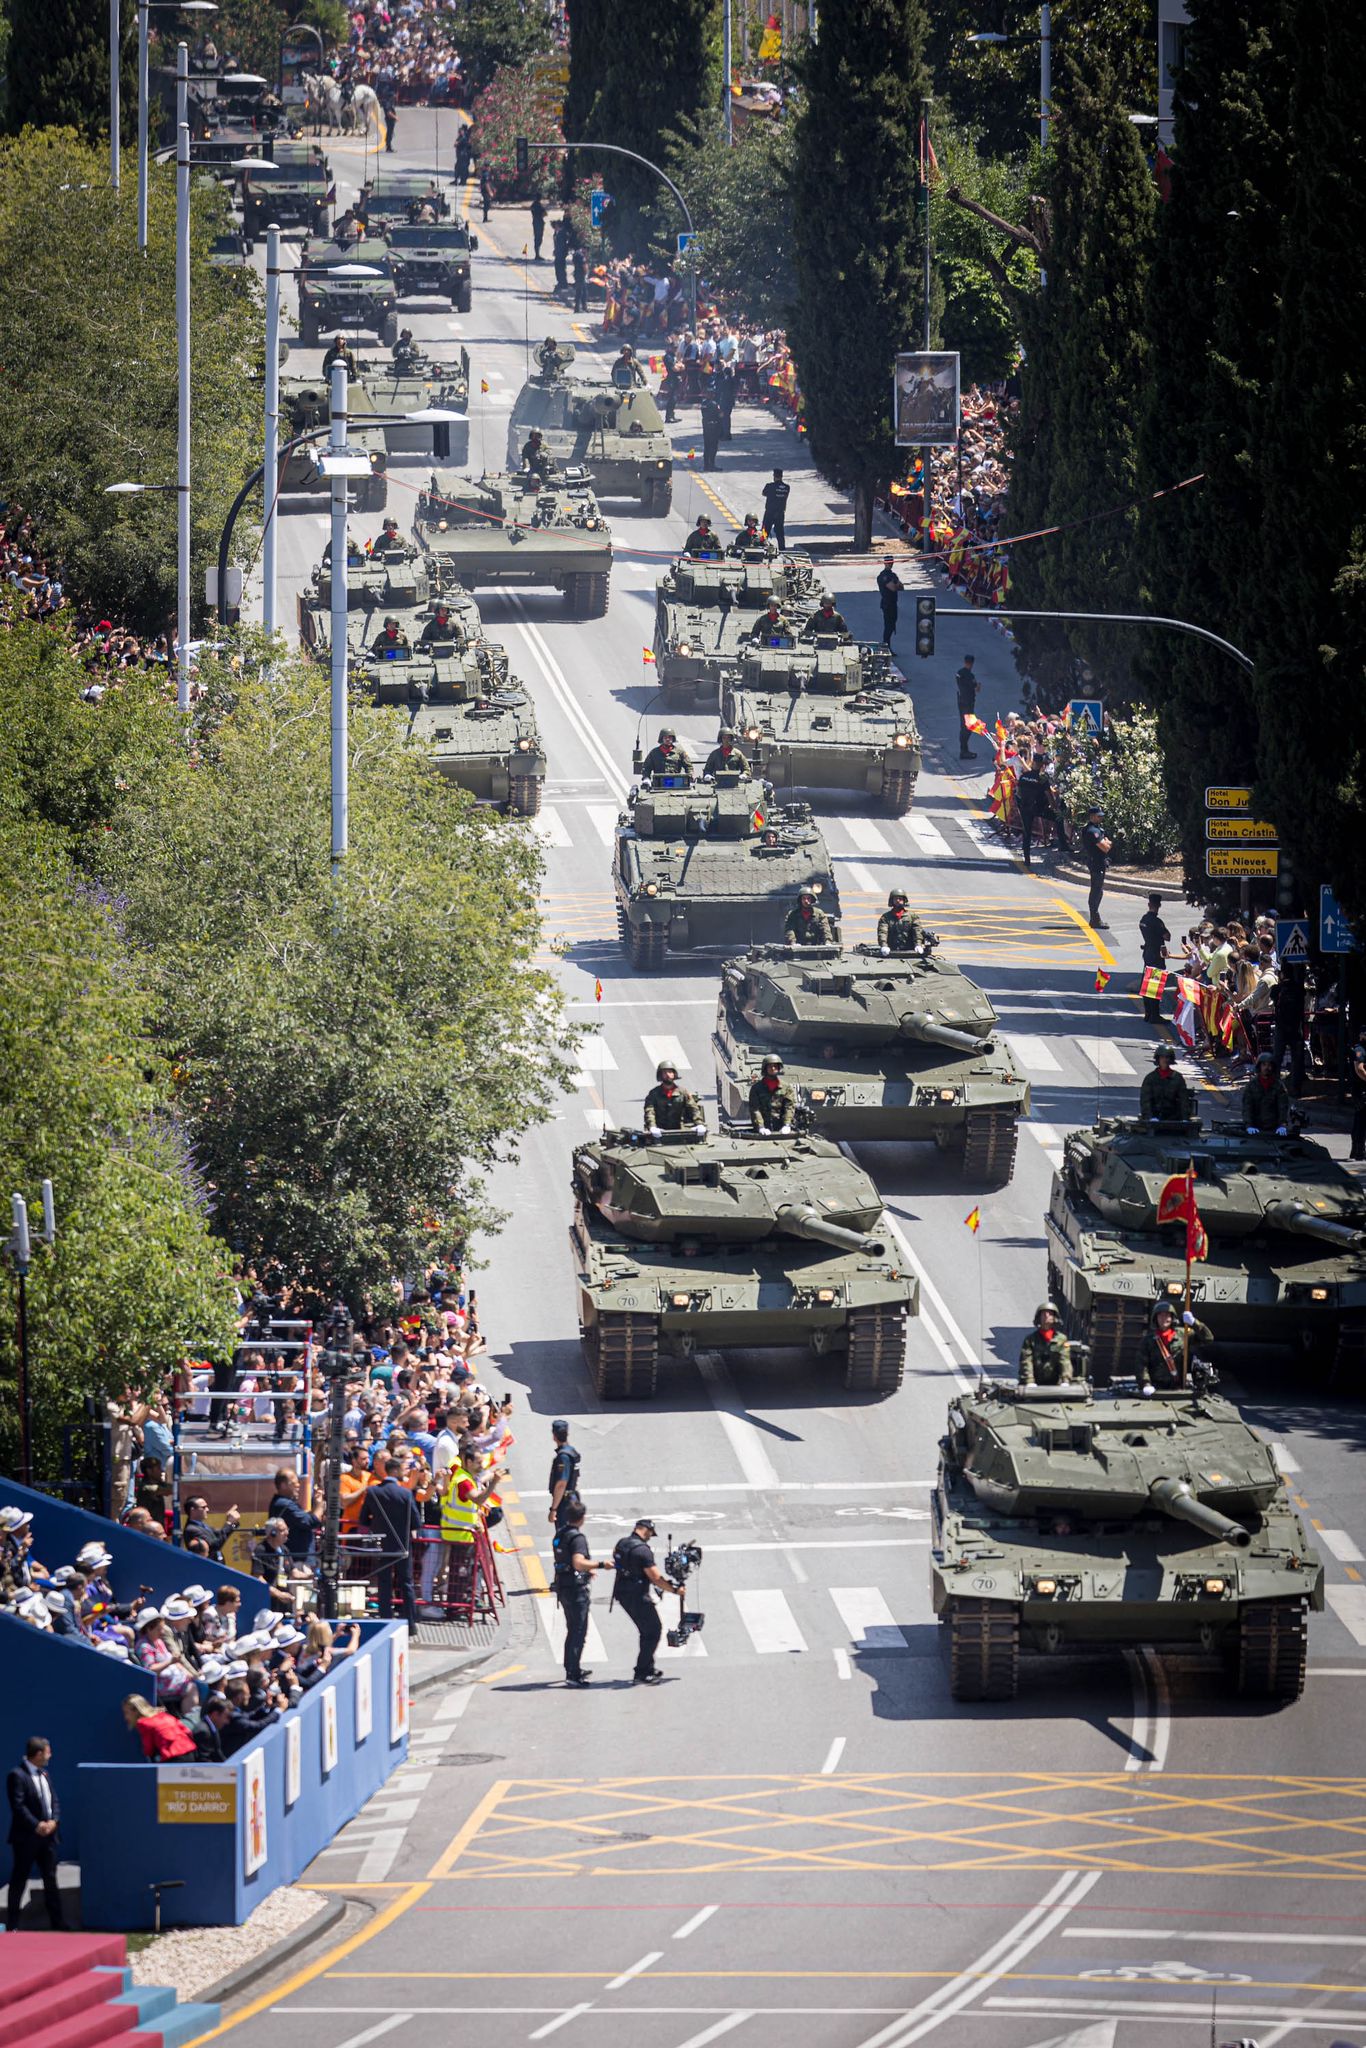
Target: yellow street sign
[
  {"x": 1247, "y": 831},
  {"x": 1228, "y": 799},
  {"x": 1241, "y": 860}
]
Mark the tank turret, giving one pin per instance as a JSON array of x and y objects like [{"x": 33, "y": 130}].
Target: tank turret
[
  {"x": 838, "y": 998},
  {"x": 1244, "y": 1186},
  {"x": 616, "y": 434},
  {"x": 729, "y": 1190}
]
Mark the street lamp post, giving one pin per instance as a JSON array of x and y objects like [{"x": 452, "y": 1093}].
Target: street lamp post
[
  {"x": 144, "y": 7},
  {"x": 115, "y": 37},
  {"x": 1045, "y": 63},
  {"x": 340, "y": 765},
  {"x": 270, "y": 467},
  {"x": 182, "y": 306},
  {"x": 727, "y": 61}
]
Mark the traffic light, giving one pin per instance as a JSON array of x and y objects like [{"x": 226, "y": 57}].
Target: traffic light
[
  {"x": 924, "y": 627},
  {"x": 523, "y": 157}
]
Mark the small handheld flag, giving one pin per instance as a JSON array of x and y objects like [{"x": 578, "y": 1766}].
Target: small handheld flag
[
  {"x": 973, "y": 1220},
  {"x": 1102, "y": 981},
  {"x": 483, "y": 386},
  {"x": 974, "y": 724},
  {"x": 597, "y": 991},
  {"x": 647, "y": 656},
  {"x": 1153, "y": 982}
]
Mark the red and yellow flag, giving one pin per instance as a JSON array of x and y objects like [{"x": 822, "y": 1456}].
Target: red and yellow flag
[
  {"x": 973, "y": 1220},
  {"x": 974, "y": 724},
  {"x": 1154, "y": 980},
  {"x": 647, "y": 656},
  {"x": 1001, "y": 734},
  {"x": 1176, "y": 1204},
  {"x": 1102, "y": 980},
  {"x": 597, "y": 991},
  {"x": 758, "y": 821}
]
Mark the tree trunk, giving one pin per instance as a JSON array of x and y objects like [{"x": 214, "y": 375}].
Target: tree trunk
[{"x": 863, "y": 515}]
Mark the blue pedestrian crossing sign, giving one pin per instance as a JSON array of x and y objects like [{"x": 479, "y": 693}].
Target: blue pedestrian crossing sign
[
  {"x": 1084, "y": 714},
  {"x": 1335, "y": 931},
  {"x": 1292, "y": 939},
  {"x": 686, "y": 244},
  {"x": 598, "y": 203}
]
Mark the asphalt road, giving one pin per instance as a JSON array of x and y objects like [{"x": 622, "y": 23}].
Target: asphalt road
[{"x": 799, "y": 1837}]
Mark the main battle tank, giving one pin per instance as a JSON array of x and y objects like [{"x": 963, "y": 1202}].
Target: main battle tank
[
  {"x": 833, "y": 714},
  {"x": 706, "y": 606},
  {"x": 712, "y": 863},
  {"x": 460, "y": 700},
  {"x": 1287, "y": 1241},
  {"x": 500, "y": 531},
  {"x": 901, "y": 1048},
  {"x": 617, "y": 437},
  {"x": 1066, "y": 1520},
  {"x": 732, "y": 1243}
]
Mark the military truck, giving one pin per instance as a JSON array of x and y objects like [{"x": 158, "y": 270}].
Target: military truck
[
  {"x": 901, "y": 1048},
  {"x": 734, "y": 1242},
  {"x": 283, "y": 192},
  {"x": 395, "y": 388},
  {"x": 460, "y": 700},
  {"x": 828, "y": 714},
  {"x": 305, "y": 405},
  {"x": 1067, "y": 1520},
  {"x": 394, "y": 197},
  {"x": 334, "y": 299},
  {"x": 499, "y": 531},
  {"x": 433, "y": 261},
  {"x": 706, "y": 607},
  {"x": 1287, "y": 1242},
  {"x": 617, "y": 437},
  {"x": 712, "y": 863},
  {"x": 230, "y": 251}
]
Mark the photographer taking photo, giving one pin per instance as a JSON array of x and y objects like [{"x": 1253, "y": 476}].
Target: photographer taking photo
[{"x": 636, "y": 1573}]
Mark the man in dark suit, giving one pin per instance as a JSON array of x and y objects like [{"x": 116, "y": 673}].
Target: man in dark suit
[
  {"x": 33, "y": 1816},
  {"x": 390, "y": 1512}
]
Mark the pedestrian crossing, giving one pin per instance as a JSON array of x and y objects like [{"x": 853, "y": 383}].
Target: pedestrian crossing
[
  {"x": 950, "y": 835},
  {"x": 857, "y": 1621}
]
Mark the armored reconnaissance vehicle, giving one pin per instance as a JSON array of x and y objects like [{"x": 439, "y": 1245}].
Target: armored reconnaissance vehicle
[
  {"x": 500, "y": 531},
  {"x": 417, "y": 383},
  {"x": 289, "y": 191},
  {"x": 617, "y": 437},
  {"x": 1065, "y": 1520},
  {"x": 705, "y": 607},
  {"x": 729, "y": 1243},
  {"x": 1287, "y": 1241},
  {"x": 305, "y": 404},
  {"x": 902, "y": 1048},
  {"x": 712, "y": 863},
  {"x": 831, "y": 714},
  {"x": 344, "y": 286},
  {"x": 393, "y": 196},
  {"x": 433, "y": 261},
  {"x": 460, "y": 700}
]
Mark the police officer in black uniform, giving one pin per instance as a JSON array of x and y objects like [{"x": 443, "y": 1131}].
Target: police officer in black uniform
[
  {"x": 574, "y": 1568},
  {"x": 889, "y": 589},
  {"x": 636, "y": 1572},
  {"x": 563, "y": 1484}
]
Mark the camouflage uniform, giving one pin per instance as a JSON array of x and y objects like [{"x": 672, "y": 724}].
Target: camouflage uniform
[
  {"x": 1164, "y": 1098},
  {"x": 657, "y": 762},
  {"x": 824, "y": 622},
  {"x": 671, "y": 1109},
  {"x": 771, "y": 1108},
  {"x": 1265, "y": 1109},
  {"x": 816, "y": 930},
  {"x": 898, "y": 931},
  {"x": 733, "y": 763},
  {"x": 1161, "y": 1368},
  {"x": 1045, "y": 1361}
]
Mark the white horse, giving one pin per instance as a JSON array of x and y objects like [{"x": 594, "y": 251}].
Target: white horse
[
  {"x": 322, "y": 105},
  {"x": 365, "y": 108}
]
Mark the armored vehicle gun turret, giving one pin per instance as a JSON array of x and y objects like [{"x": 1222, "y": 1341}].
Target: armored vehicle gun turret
[
  {"x": 832, "y": 714},
  {"x": 501, "y": 531},
  {"x": 901, "y": 1048},
  {"x": 1066, "y": 1520},
  {"x": 707, "y": 606},
  {"x": 460, "y": 700},
  {"x": 344, "y": 286},
  {"x": 400, "y": 387},
  {"x": 683, "y": 1245},
  {"x": 616, "y": 436},
  {"x": 305, "y": 404},
  {"x": 712, "y": 863},
  {"x": 1287, "y": 1241}
]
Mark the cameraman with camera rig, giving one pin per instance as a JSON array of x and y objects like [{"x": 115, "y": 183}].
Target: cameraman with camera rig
[{"x": 636, "y": 1573}]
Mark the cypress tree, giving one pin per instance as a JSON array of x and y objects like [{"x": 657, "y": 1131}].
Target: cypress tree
[
  {"x": 630, "y": 91},
  {"x": 588, "y": 47},
  {"x": 856, "y": 246},
  {"x": 58, "y": 68}
]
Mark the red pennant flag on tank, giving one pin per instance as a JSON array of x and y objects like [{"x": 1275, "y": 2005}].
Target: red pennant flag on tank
[
  {"x": 1176, "y": 1204},
  {"x": 597, "y": 991}
]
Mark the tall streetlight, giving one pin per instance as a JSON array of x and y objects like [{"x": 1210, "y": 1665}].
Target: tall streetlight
[
  {"x": 20, "y": 1248},
  {"x": 182, "y": 311},
  {"x": 115, "y": 37},
  {"x": 144, "y": 8},
  {"x": 1045, "y": 63}
]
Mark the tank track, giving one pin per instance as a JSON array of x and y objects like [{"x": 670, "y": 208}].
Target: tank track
[
  {"x": 984, "y": 1650},
  {"x": 644, "y": 944},
  {"x": 1347, "y": 1374},
  {"x": 1273, "y": 1650},
  {"x": 622, "y": 1352},
  {"x": 989, "y": 1140},
  {"x": 875, "y": 1362},
  {"x": 524, "y": 798},
  {"x": 587, "y": 596},
  {"x": 898, "y": 791},
  {"x": 657, "y": 498}
]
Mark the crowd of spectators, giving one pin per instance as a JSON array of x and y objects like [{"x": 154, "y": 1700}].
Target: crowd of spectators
[
  {"x": 407, "y": 51},
  {"x": 33, "y": 587}
]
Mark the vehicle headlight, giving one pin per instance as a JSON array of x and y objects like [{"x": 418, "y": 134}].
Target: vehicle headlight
[
  {"x": 1046, "y": 1587},
  {"x": 816, "y": 1094},
  {"x": 818, "y": 888},
  {"x": 752, "y": 732},
  {"x": 903, "y": 739},
  {"x": 652, "y": 888},
  {"x": 1216, "y": 1585},
  {"x": 661, "y": 465},
  {"x": 685, "y": 647},
  {"x": 1174, "y": 1287},
  {"x": 524, "y": 746},
  {"x": 681, "y": 1300},
  {"x": 948, "y": 1095},
  {"x": 374, "y": 458},
  {"x": 825, "y": 1295},
  {"x": 1318, "y": 1294}
]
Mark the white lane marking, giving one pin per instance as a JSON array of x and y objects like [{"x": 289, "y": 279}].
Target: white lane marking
[
  {"x": 1106, "y": 1057},
  {"x": 745, "y": 1440},
  {"x": 395, "y": 2019},
  {"x": 378, "y": 1860},
  {"x": 863, "y": 878},
  {"x": 388, "y": 1810},
  {"x": 1286, "y": 1461},
  {"x": 1349, "y": 1605},
  {"x": 992, "y": 848},
  {"x": 551, "y": 829},
  {"x": 452, "y": 1705},
  {"x": 569, "y": 703},
  {"x": 665, "y": 1048},
  {"x": 699, "y": 1919},
  {"x": 597, "y": 1054},
  {"x": 495, "y": 376},
  {"x": 1172, "y": 2011},
  {"x": 637, "y": 1969},
  {"x": 594, "y": 1117},
  {"x": 867, "y": 837},
  {"x": 1337, "y": 1670},
  {"x": 410, "y": 1781},
  {"x": 853, "y": 1543},
  {"x": 694, "y": 1647},
  {"x": 715, "y": 2031},
  {"x": 561, "y": 2019},
  {"x": 1036, "y": 1053},
  {"x": 552, "y": 1617},
  {"x": 843, "y": 1667},
  {"x": 603, "y": 818},
  {"x": 833, "y": 1755},
  {"x": 1151, "y": 1731},
  {"x": 785, "y": 1486},
  {"x": 868, "y": 1618},
  {"x": 1253, "y": 1937},
  {"x": 1046, "y": 1137},
  {"x": 929, "y": 1292},
  {"x": 927, "y": 836},
  {"x": 770, "y": 1622},
  {"x": 1341, "y": 1545}
]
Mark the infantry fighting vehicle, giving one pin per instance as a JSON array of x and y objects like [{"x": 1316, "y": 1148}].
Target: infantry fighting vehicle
[
  {"x": 1065, "y": 1520},
  {"x": 395, "y": 389},
  {"x": 394, "y": 582},
  {"x": 344, "y": 286},
  {"x": 617, "y": 437},
  {"x": 283, "y": 192},
  {"x": 706, "y": 607},
  {"x": 433, "y": 261},
  {"x": 898, "y": 1048},
  {"x": 734, "y": 1242},
  {"x": 712, "y": 863},
  {"x": 459, "y": 699},
  {"x": 304, "y": 408},
  {"x": 500, "y": 531},
  {"x": 828, "y": 714},
  {"x": 1287, "y": 1241}
]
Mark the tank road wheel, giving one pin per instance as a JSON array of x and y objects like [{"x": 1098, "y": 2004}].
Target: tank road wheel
[
  {"x": 989, "y": 1140},
  {"x": 622, "y": 1352},
  {"x": 898, "y": 790},
  {"x": 646, "y": 944},
  {"x": 876, "y": 1358},
  {"x": 594, "y": 594},
  {"x": 623, "y": 930},
  {"x": 1273, "y": 1647},
  {"x": 984, "y": 1650},
  {"x": 461, "y": 302},
  {"x": 524, "y": 795}
]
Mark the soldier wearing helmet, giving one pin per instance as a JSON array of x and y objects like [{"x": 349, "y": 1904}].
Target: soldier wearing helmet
[
  {"x": 1162, "y": 1355},
  {"x": 772, "y": 1105},
  {"x": 702, "y": 541},
  {"x": 671, "y": 1108},
  {"x": 389, "y": 641},
  {"x": 439, "y": 627},
  {"x": 1165, "y": 1097},
  {"x": 750, "y": 539},
  {"x": 825, "y": 622},
  {"x": 725, "y": 757},
  {"x": 667, "y": 757},
  {"x": 898, "y": 928},
  {"x": 1046, "y": 1355},
  {"x": 1266, "y": 1103},
  {"x": 771, "y": 629},
  {"x": 548, "y": 356},
  {"x": 808, "y": 925}
]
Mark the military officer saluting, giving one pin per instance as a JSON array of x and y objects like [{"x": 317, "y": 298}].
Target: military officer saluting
[
  {"x": 666, "y": 757},
  {"x": 1165, "y": 1097},
  {"x": 702, "y": 541},
  {"x": 825, "y": 621},
  {"x": 806, "y": 925},
  {"x": 898, "y": 928},
  {"x": 671, "y": 1108},
  {"x": 772, "y": 1105},
  {"x": 750, "y": 539},
  {"x": 1046, "y": 1355},
  {"x": 725, "y": 757},
  {"x": 1266, "y": 1105}
]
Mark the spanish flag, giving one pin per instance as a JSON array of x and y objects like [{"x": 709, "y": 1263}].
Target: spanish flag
[
  {"x": 647, "y": 656},
  {"x": 758, "y": 821},
  {"x": 974, "y": 724},
  {"x": 1001, "y": 734},
  {"x": 483, "y": 385},
  {"x": 973, "y": 1220},
  {"x": 597, "y": 991},
  {"x": 1153, "y": 982},
  {"x": 1102, "y": 981}
]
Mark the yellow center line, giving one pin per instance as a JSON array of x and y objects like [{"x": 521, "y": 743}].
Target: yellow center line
[
  {"x": 1107, "y": 957},
  {"x": 508, "y": 1671}
]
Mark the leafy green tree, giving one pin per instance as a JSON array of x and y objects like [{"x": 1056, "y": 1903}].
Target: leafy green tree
[
  {"x": 497, "y": 34},
  {"x": 250, "y": 31},
  {"x": 58, "y": 73},
  {"x": 741, "y": 200},
  {"x": 983, "y": 287},
  {"x": 856, "y": 247},
  {"x": 993, "y": 88},
  {"x": 631, "y": 93}
]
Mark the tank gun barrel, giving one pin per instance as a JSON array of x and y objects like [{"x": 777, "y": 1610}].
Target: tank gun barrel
[
  {"x": 1174, "y": 1497},
  {"x": 799, "y": 1219},
  {"x": 915, "y": 1024},
  {"x": 1293, "y": 1216}
]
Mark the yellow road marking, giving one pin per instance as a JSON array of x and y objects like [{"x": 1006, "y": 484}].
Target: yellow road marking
[
  {"x": 508, "y": 1671},
  {"x": 1066, "y": 908},
  {"x": 466, "y": 1832}
]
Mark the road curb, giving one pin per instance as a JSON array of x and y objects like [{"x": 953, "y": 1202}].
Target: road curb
[
  {"x": 246, "y": 1974},
  {"x": 426, "y": 1681}
]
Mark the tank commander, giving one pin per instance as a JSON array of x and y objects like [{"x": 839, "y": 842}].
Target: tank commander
[
  {"x": 1266, "y": 1104},
  {"x": 671, "y": 1108},
  {"x": 626, "y": 373},
  {"x": 339, "y": 353},
  {"x": 807, "y": 925},
  {"x": 702, "y": 541},
  {"x": 536, "y": 456},
  {"x": 772, "y": 1105},
  {"x": 825, "y": 622},
  {"x": 667, "y": 757},
  {"x": 725, "y": 757},
  {"x": 771, "y": 628},
  {"x": 406, "y": 353},
  {"x": 1162, "y": 1354},
  {"x": 750, "y": 539},
  {"x": 440, "y": 626},
  {"x": 548, "y": 355},
  {"x": 1046, "y": 1355},
  {"x": 1165, "y": 1097},
  {"x": 389, "y": 640},
  {"x": 898, "y": 928}
]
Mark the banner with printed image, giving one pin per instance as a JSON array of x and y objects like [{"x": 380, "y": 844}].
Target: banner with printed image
[
  {"x": 365, "y": 1705},
  {"x": 254, "y": 1834},
  {"x": 398, "y": 1685},
  {"x": 329, "y": 1728}
]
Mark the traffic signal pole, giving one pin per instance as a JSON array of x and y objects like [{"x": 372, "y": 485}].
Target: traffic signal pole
[
  {"x": 967, "y": 611},
  {"x": 614, "y": 149}
]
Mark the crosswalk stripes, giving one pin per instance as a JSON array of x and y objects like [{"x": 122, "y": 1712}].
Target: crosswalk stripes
[
  {"x": 863, "y": 878},
  {"x": 927, "y": 835},
  {"x": 771, "y": 1623},
  {"x": 551, "y": 829},
  {"x": 861, "y": 1619},
  {"x": 603, "y": 819},
  {"x": 1349, "y": 1605},
  {"x": 992, "y": 848},
  {"x": 595, "y": 1057},
  {"x": 1105, "y": 1056},
  {"x": 664, "y": 1048},
  {"x": 868, "y": 1618},
  {"x": 867, "y": 837},
  {"x": 1035, "y": 1053}
]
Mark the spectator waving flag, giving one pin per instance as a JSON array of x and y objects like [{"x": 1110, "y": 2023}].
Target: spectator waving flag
[
  {"x": 974, "y": 724},
  {"x": 1187, "y": 1009}
]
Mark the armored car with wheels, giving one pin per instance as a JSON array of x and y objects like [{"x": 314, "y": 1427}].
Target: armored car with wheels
[{"x": 346, "y": 286}]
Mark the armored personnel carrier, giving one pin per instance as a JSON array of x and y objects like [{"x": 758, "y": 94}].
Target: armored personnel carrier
[
  {"x": 902, "y": 1048},
  {"x": 433, "y": 261},
  {"x": 500, "y": 531},
  {"x": 833, "y": 714},
  {"x": 394, "y": 196},
  {"x": 460, "y": 700},
  {"x": 732, "y": 1243},
  {"x": 616, "y": 437},
  {"x": 1287, "y": 1241},
  {"x": 706, "y": 607},
  {"x": 288, "y": 191},
  {"x": 394, "y": 390},
  {"x": 387, "y": 583},
  {"x": 305, "y": 404},
  {"x": 344, "y": 286},
  {"x": 712, "y": 863},
  {"x": 1066, "y": 1520}
]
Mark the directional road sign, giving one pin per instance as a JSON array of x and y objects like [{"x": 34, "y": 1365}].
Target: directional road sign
[
  {"x": 1084, "y": 714},
  {"x": 1292, "y": 939},
  {"x": 685, "y": 245},
  {"x": 1219, "y": 799},
  {"x": 1238, "y": 861},
  {"x": 1242, "y": 831},
  {"x": 1335, "y": 932}
]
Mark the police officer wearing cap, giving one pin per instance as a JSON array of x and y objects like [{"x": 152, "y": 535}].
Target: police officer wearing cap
[
  {"x": 563, "y": 1483},
  {"x": 772, "y": 1105},
  {"x": 666, "y": 757},
  {"x": 725, "y": 757},
  {"x": 574, "y": 1568},
  {"x": 1165, "y": 1098},
  {"x": 636, "y": 1573}
]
